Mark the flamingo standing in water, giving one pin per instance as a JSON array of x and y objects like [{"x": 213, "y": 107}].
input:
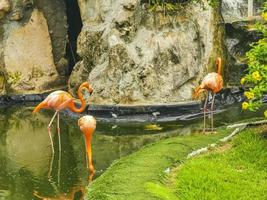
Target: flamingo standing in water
[
  {"x": 212, "y": 82},
  {"x": 87, "y": 125},
  {"x": 60, "y": 100}
]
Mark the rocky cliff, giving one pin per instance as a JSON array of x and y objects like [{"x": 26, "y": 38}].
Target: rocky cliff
[
  {"x": 133, "y": 55},
  {"x": 130, "y": 53}
]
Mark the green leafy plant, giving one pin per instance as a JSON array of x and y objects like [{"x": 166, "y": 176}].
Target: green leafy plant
[
  {"x": 173, "y": 5},
  {"x": 14, "y": 78},
  {"x": 256, "y": 78}
]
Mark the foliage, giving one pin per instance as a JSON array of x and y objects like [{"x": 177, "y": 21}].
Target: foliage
[
  {"x": 235, "y": 171},
  {"x": 256, "y": 78},
  {"x": 14, "y": 78},
  {"x": 173, "y": 5}
]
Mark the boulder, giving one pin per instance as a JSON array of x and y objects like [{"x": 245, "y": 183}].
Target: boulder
[
  {"x": 135, "y": 56},
  {"x": 33, "y": 38},
  {"x": 28, "y": 56}
]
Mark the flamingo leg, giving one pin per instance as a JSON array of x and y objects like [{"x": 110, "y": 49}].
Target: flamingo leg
[
  {"x": 58, "y": 132},
  {"x": 212, "y": 109},
  {"x": 204, "y": 110},
  {"x": 49, "y": 132},
  {"x": 59, "y": 146}
]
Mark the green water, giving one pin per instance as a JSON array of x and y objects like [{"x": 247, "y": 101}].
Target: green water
[{"x": 25, "y": 151}]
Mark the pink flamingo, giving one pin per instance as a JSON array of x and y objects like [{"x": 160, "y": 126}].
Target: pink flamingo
[
  {"x": 87, "y": 125},
  {"x": 60, "y": 100},
  {"x": 212, "y": 82}
]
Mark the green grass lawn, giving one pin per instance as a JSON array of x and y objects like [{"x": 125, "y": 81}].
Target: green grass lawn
[
  {"x": 237, "y": 170},
  {"x": 128, "y": 178}
]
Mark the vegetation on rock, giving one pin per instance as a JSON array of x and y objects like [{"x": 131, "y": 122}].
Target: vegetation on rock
[{"x": 173, "y": 5}]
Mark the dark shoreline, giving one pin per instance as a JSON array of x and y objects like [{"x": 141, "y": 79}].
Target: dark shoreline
[{"x": 137, "y": 113}]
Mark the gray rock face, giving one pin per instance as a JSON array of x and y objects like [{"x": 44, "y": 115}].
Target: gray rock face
[
  {"x": 236, "y": 10},
  {"x": 33, "y": 36},
  {"x": 5, "y": 7},
  {"x": 132, "y": 55},
  {"x": 239, "y": 37},
  {"x": 55, "y": 14},
  {"x": 240, "y": 34}
]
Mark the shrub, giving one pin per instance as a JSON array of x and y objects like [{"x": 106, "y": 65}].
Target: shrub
[{"x": 256, "y": 78}]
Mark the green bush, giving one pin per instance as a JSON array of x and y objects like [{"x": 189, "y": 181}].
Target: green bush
[{"x": 256, "y": 78}]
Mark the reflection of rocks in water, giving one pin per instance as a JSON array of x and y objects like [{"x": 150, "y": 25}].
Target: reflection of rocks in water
[
  {"x": 25, "y": 155},
  {"x": 108, "y": 148},
  {"x": 76, "y": 193},
  {"x": 28, "y": 146},
  {"x": 26, "y": 152}
]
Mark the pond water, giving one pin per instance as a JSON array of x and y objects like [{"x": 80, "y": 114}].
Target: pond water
[{"x": 25, "y": 151}]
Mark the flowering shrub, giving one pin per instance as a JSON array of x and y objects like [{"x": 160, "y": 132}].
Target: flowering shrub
[{"x": 256, "y": 77}]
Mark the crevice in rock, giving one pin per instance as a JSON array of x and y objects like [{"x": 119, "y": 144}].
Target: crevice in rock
[{"x": 74, "y": 28}]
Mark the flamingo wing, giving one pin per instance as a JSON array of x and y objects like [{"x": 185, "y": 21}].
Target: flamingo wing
[
  {"x": 58, "y": 100},
  {"x": 213, "y": 81}
]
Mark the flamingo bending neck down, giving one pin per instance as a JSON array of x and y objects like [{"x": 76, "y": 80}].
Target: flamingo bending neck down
[
  {"x": 87, "y": 125},
  {"x": 212, "y": 82},
  {"x": 60, "y": 100}
]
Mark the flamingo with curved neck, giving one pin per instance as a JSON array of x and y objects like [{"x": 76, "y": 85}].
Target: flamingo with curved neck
[
  {"x": 212, "y": 82},
  {"x": 60, "y": 100}
]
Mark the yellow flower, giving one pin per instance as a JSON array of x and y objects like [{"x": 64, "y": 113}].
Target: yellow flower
[
  {"x": 242, "y": 81},
  {"x": 265, "y": 113},
  {"x": 245, "y": 105},
  {"x": 264, "y": 15},
  {"x": 256, "y": 76},
  {"x": 249, "y": 95}
]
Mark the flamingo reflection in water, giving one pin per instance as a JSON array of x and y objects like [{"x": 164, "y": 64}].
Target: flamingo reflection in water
[{"x": 76, "y": 193}]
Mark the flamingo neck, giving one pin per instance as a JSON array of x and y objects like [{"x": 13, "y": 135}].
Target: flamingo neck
[
  {"x": 88, "y": 136},
  {"x": 83, "y": 104},
  {"x": 219, "y": 66}
]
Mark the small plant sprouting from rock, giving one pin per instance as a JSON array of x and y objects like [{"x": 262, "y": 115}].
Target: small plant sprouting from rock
[
  {"x": 174, "y": 5},
  {"x": 36, "y": 73},
  {"x": 256, "y": 77},
  {"x": 14, "y": 78}
]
